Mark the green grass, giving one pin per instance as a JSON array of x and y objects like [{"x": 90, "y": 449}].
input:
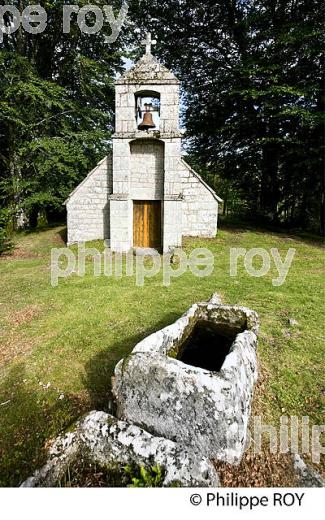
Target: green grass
[{"x": 73, "y": 335}]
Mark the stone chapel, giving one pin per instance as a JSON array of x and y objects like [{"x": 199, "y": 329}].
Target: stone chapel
[{"x": 143, "y": 194}]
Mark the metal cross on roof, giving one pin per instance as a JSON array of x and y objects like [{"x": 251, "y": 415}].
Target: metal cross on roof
[{"x": 148, "y": 42}]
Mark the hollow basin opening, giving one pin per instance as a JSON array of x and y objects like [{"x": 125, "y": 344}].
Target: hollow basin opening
[{"x": 207, "y": 346}]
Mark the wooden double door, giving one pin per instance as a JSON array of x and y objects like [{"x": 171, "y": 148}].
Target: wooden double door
[{"x": 147, "y": 224}]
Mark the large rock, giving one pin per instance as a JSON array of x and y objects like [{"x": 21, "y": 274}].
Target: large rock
[
  {"x": 108, "y": 442},
  {"x": 205, "y": 410}
]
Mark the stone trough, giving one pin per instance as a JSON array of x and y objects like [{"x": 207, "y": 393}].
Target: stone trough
[
  {"x": 183, "y": 398},
  {"x": 193, "y": 381}
]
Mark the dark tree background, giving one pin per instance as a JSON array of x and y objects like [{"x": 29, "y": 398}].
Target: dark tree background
[
  {"x": 253, "y": 74},
  {"x": 253, "y": 79},
  {"x": 56, "y": 112}
]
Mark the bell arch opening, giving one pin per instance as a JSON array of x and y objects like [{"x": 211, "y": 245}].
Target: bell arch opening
[{"x": 147, "y": 110}]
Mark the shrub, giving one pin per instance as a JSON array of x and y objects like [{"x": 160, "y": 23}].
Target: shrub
[{"x": 145, "y": 477}]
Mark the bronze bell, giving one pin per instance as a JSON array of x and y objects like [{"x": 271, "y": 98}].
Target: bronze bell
[{"x": 147, "y": 122}]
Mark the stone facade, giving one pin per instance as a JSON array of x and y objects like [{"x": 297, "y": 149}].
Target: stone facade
[
  {"x": 145, "y": 166},
  {"x": 147, "y": 170},
  {"x": 199, "y": 206},
  {"x": 88, "y": 205}
]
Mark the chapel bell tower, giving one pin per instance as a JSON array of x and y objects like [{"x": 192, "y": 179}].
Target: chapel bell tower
[{"x": 146, "y": 202}]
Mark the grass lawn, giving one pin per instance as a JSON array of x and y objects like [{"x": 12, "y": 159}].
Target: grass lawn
[{"x": 59, "y": 345}]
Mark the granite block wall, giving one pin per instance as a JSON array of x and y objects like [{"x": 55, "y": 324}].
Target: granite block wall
[{"x": 88, "y": 214}]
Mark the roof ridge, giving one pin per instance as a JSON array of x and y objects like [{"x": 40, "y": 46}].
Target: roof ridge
[{"x": 148, "y": 67}]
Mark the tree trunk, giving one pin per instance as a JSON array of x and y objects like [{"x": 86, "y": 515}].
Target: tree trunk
[{"x": 269, "y": 198}]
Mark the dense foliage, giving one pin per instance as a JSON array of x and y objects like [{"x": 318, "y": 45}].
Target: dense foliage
[
  {"x": 56, "y": 112},
  {"x": 253, "y": 74}
]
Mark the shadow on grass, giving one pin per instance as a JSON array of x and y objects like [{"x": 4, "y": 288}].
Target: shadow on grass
[
  {"x": 241, "y": 226},
  {"x": 63, "y": 234},
  {"x": 100, "y": 369},
  {"x": 30, "y": 415},
  {"x": 28, "y": 418},
  {"x": 41, "y": 228}
]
